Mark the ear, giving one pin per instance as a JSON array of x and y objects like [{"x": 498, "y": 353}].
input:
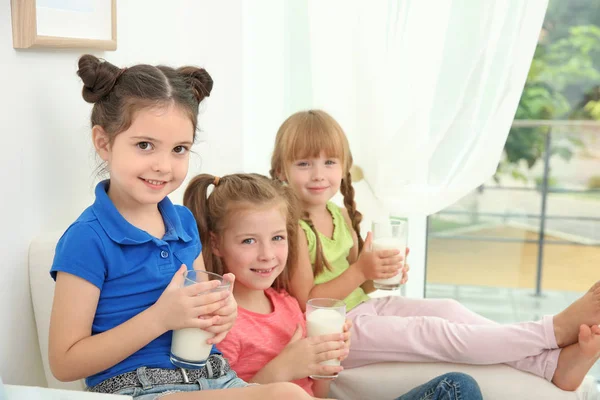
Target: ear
[
  {"x": 101, "y": 142},
  {"x": 215, "y": 244}
]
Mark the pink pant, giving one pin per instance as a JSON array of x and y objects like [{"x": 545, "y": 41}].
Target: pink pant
[{"x": 416, "y": 330}]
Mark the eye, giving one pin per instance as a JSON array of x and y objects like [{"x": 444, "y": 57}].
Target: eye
[
  {"x": 278, "y": 238},
  {"x": 180, "y": 150},
  {"x": 144, "y": 146},
  {"x": 301, "y": 163},
  {"x": 248, "y": 241},
  {"x": 330, "y": 162}
]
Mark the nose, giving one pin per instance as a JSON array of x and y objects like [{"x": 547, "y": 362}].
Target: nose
[
  {"x": 162, "y": 163},
  {"x": 266, "y": 252},
  {"x": 317, "y": 172}
]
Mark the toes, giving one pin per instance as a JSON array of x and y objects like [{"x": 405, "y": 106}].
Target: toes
[{"x": 585, "y": 333}]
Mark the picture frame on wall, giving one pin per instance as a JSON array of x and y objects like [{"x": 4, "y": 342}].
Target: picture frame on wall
[{"x": 90, "y": 24}]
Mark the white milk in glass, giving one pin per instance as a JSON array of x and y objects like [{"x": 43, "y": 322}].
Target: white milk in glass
[
  {"x": 325, "y": 322},
  {"x": 389, "y": 243},
  {"x": 190, "y": 344}
]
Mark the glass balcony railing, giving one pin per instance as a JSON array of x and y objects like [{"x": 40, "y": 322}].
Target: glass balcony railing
[{"x": 526, "y": 243}]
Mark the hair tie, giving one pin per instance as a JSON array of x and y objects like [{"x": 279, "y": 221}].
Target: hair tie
[
  {"x": 216, "y": 181},
  {"x": 121, "y": 72}
]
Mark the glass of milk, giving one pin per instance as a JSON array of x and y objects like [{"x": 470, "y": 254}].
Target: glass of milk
[
  {"x": 324, "y": 317},
  {"x": 389, "y": 234},
  {"x": 188, "y": 347}
]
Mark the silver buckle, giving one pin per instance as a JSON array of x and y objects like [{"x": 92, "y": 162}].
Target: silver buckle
[{"x": 185, "y": 376}]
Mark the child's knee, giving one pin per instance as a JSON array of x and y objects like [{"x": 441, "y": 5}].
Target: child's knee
[
  {"x": 451, "y": 305},
  {"x": 464, "y": 383},
  {"x": 286, "y": 390}
]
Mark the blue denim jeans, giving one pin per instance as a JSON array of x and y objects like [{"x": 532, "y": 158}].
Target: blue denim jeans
[
  {"x": 228, "y": 381},
  {"x": 451, "y": 386}
]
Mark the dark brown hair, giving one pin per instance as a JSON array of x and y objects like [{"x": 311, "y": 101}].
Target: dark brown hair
[
  {"x": 117, "y": 94},
  {"x": 304, "y": 135},
  {"x": 231, "y": 194}
]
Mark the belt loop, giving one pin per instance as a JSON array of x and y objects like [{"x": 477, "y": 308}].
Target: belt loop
[
  {"x": 143, "y": 378},
  {"x": 185, "y": 376}
]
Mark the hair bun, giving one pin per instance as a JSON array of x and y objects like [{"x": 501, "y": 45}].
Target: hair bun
[
  {"x": 200, "y": 80},
  {"x": 98, "y": 77}
]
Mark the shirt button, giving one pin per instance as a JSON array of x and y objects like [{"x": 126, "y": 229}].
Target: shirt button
[{"x": 164, "y": 254}]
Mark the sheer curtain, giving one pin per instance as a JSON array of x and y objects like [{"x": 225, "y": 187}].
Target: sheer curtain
[{"x": 425, "y": 89}]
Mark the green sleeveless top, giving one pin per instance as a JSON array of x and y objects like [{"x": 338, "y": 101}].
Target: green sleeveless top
[{"x": 336, "y": 250}]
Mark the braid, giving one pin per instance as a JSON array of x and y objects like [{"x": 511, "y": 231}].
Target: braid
[
  {"x": 355, "y": 216},
  {"x": 320, "y": 260}
]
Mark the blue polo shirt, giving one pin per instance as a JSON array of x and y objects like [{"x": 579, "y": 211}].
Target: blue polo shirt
[{"x": 130, "y": 267}]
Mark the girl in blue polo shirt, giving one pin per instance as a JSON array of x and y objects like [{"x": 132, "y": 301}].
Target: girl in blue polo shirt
[{"x": 119, "y": 266}]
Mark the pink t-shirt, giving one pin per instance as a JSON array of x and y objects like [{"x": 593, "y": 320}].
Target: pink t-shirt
[{"x": 256, "y": 339}]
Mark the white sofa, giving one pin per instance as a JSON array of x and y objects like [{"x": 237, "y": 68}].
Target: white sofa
[{"x": 373, "y": 382}]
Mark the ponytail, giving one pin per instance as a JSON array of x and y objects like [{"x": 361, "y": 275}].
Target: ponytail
[{"x": 196, "y": 199}]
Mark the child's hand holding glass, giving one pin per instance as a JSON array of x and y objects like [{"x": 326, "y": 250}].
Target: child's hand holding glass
[
  {"x": 227, "y": 314},
  {"x": 180, "y": 307},
  {"x": 302, "y": 356},
  {"x": 378, "y": 264},
  {"x": 347, "y": 327},
  {"x": 405, "y": 269}
]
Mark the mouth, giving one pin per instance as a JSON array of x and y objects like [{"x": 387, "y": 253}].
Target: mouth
[
  {"x": 154, "y": 184},
  {"x": 318, "y": 189},
  {"x": 263, "y": 271}
]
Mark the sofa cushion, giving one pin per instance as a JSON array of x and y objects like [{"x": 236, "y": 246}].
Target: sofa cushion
[
  {"x": 41, "y": 254},
  {"x": 386, "y": 381}
]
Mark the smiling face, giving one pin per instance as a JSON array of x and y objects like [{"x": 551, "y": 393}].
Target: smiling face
[
  {"x": 149, "y": 160},
  {"x": 254, "y": 246},
  {"x": 315, "y": 180},
  {"x": 312, "y": 155}
]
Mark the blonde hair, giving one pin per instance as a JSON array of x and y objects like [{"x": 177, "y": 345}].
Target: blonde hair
[
  {"x": 306, "y": 134},
  {"x": 230, "y": 194}
]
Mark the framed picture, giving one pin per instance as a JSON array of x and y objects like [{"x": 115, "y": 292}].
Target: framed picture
[{"x": 90, "y": 24}]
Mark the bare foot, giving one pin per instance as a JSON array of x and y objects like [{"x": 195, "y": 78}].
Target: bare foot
[
  {"x": 585, "y": 310},
  {"x": 576, "y": 360}
]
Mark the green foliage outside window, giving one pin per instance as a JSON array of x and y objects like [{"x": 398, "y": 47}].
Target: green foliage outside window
[{"x": 563, "y": 83}]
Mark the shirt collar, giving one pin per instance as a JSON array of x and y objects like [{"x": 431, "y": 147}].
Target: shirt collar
[{"x": 122, "y": 232}]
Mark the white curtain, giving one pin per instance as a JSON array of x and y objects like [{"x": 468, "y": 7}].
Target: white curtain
[{"x": 426, "y": 89}]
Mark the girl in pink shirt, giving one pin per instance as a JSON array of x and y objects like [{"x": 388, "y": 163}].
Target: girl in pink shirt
[{"x": 250, "y": 224}]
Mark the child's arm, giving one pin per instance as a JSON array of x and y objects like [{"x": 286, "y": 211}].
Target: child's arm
[
  {"x": 381, "y": 264},
  {"x": 321, "y": 388},
  {"x": 301, "y": 358},
  {"x": 302, "y": 282},
  {"x": 367, "y": 286},
  {"x": 75, "y": 353}
]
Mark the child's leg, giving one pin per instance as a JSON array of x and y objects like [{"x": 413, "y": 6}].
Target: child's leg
[
  {"x": 453, "y": 311},
  {"x": 275, "y": 391},
  {"x": 378, "y": 338},
  {"x": 448, "y": 309},
  {"x": 450, "y": 386},
  {"x": 577, "y": 359},
  {"x": 584, "y": 311}
]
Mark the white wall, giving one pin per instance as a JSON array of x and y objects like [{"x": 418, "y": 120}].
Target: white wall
[{"x": 46, "y": 160}]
